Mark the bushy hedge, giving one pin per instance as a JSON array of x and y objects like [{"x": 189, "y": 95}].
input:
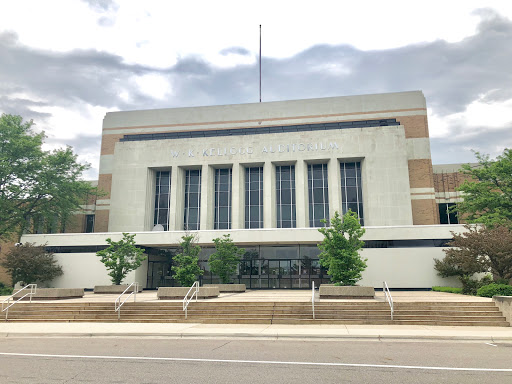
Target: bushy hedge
[
  {"x": 495, "y": 290},
  {"x": 447, "y": 289},
  {"x": 4, "y": 290}
]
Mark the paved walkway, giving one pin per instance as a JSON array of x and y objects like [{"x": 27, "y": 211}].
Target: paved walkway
[{"x": 273, "y": 332}]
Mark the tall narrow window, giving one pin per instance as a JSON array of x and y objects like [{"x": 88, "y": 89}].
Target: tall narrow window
[
  {"x": 318, "y": 194},
  {"x": 351, "y": 189},
  {"x": 162, "y": 199},
  {"x": 89, "y": 223},
  {"x": 223, "y": 198},
  {"x": 285, "y": 196},
  {"x": 446, "y": 216},
  {"x": 192, "y": 215},
  {"x": 254, "y": 197}
]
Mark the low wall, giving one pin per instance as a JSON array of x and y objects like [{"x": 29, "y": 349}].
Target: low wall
[
  {"x": 106, "y": 289},
  {"x": 346, "y": 292},
  {"x": 53, "y": 293},
  {"x": 228, "y": 287},
  {"x": 504, "y": 303},
  {"x": 173, "y": 293}
]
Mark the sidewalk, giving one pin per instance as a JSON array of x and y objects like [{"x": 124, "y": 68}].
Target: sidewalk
[
  {"x": 267, "y": 332},
  {"x": 257, "y": 331}
]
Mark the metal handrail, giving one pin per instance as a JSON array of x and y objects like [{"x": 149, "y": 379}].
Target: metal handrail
[
  {"x": 118, "y": 304},
  {"x": 33, "y": 288},
  {"x": 313, "y": 299},
  {"x": 389, "y": 299},
  {"x": 187, "y": 301}
]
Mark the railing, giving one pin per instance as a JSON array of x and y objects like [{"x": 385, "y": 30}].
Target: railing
[
  {"x": 118, "y": 304},
  {"x": 6, "y": 304},
  {"x": 186, "y": 300},
  {"x": 389, "y": 299},
  {"x": 313, "y": 299}
]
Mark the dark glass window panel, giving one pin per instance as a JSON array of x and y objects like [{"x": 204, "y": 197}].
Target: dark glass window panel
[
  {"x": 351, "y": 195},
  {"x": 286, "y": 213},
  {"x": 318, "y": 194},
  {"x": 353, "y": 207},
  {"x": 254, "y": 197},
  {"x": 318, "y": 173},
  {"x": 194, "y": 199},
  {"x": 350, "y": 170},
  {"x": 163, "y": 201},
  {"x": 351, "y": 182},
  {"x": 224, "y": 200},
  {"x": 285, "y": 197}
]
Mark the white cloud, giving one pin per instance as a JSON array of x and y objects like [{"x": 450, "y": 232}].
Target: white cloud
[{"x": 156, "y": 86}]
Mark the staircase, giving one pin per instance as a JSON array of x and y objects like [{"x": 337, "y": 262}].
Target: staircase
[{"x": 414, "y": 313}]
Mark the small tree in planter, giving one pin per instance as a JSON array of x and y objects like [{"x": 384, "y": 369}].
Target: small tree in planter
[
  {"x": 340, "y": 249},
  {"x": 224, "y": 261},
  {"x": 29, "y": 264},
  {"x": 121, "y": 257},
  {"x": 186, "y": 267}
]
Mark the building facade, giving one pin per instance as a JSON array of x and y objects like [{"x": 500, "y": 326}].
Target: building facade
[{"x": 268, "y": 174}]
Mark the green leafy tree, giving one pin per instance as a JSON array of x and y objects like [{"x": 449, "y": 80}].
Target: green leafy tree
[
  {"x": 186, "y": 267},
  {"x": 121, "y": 257},
  {"x": 34, "y": 184},
  {"x": 479, "y": 249},
  {"x": 28, "y": 263},
  {"x": 488, "y": 190},
  {"x": 226, "y": 258},
  {"x": 340, "y": 249}
]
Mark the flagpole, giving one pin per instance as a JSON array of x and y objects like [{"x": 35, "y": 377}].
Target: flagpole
[{"x": 260, "y": 63}]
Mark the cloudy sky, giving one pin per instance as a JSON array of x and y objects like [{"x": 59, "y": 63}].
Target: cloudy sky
[{"x": 66, "y": 63}]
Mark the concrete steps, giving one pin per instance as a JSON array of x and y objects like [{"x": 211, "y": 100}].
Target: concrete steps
[{"x": 418, "y": 313}]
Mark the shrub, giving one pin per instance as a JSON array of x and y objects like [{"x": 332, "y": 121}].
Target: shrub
[
  {"x": 121, "y": 257},
  {"x": 226, "y": 258},
  {"x": 495, "y": 290},
  {"x": 447, "y": 289},
  {"x": 4, "y": 290},
  {"x": 186, "y": 267},
  {"x": 29, "y": 264},
  {"x": 470, "y": 286},
  {"x": 340, "y": 249}
]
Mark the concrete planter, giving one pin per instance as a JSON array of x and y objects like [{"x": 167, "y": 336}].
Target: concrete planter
[
  {"x": 346, "y": 292},
  {"x": 53, "y": 294},
  {"x": 504, "y": 303},
  {"x": 174, "y": 293},
  {"x": 232, "y": 288},
  {"x": 106, "y": 289}
]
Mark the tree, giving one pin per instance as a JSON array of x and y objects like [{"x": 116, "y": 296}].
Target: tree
[
  {"x": 488, "y": 195},
  {"x": 36, "y": 185},
  {"x": 340, "y": 249},
  {"x": 29, "y": 264},
  {"x": 121, "y": 257},
  {"x": 224, "y": 261},
  {"x": 186, "y": 267},
  {"x": 478, "y": 250}
]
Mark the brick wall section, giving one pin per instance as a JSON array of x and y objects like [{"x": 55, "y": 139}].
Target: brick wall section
[
  {"x": 108, "y": 143},
  {"x": 448, "y": 182},
  {"x": 415, "y": 126},
  {"x": 424, "y": 212},
  {"x": 5, "y": 247},
  {"x": 105, "y": 185},
  {"x": 101, "y": 221},
  {"x": 76, "y": 224},
  {"x": 421, "y": 174}
]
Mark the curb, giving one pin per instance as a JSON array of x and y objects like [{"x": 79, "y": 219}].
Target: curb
[{"x": 256, "y": 336}]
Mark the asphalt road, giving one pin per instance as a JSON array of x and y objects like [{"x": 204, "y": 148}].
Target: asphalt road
[{"x": 159, "y": 360}]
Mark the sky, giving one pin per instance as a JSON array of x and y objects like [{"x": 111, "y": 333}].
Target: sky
[{"x": 66, "y": 63}]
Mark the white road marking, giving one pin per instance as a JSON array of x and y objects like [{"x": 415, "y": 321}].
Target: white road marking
[
  {"x": 492, "y": 345},
  {"x": 258, "y": 362}
]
